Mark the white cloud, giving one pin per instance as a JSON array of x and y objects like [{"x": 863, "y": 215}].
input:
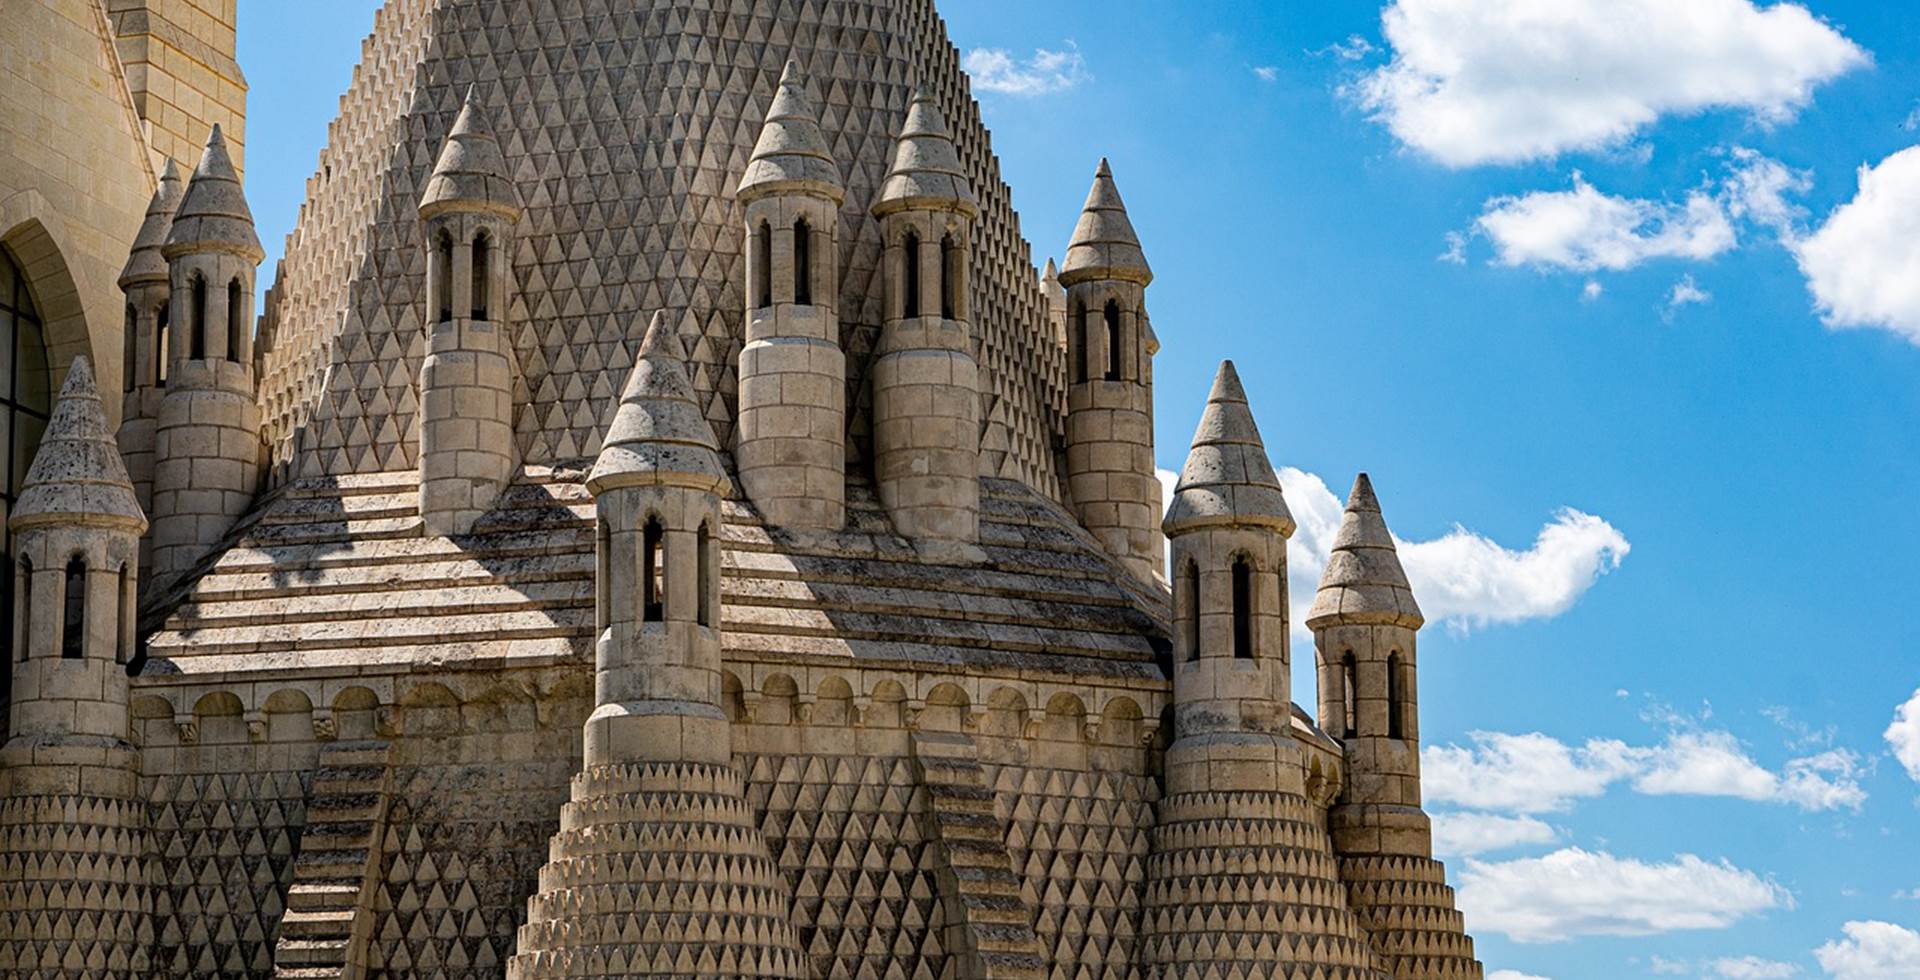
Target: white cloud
[
  {"x": 1266, "y": 73},
  {"x": 1467, "y": 834},
  {"x": 998, "y": 70},
  {"x": 1666, "y": 967},
  {"x": 1757, "y": 187},
  {"x": 1574, "y": 892},
  {"x": 1514, "y": 975},
  {"x": 1473, "y": 82},
  {"x": 1353, "y": 48},
  {"x": 1584, "y": 230},
  {"x": 1753, "y": 968},
  {"x": 1591, "y": 291},
  {"x": 1828, "y": 781},
  {"x": 1863, "y": 264},
  {"x": 1686, "y": 292},
  {"x": 1903, "y": 736},
  {"x": 1871, "y": 951}
]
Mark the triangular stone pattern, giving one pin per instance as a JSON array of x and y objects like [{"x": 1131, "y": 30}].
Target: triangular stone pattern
[{"x": 626, "y": 127}]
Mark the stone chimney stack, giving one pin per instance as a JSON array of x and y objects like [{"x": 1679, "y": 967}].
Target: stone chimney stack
[
  {"x": 791, "y": 449},
  {"x": 467, "y": 449},
  {"x": 926, "y": 383},
  {"x": 144, "y": 365}
]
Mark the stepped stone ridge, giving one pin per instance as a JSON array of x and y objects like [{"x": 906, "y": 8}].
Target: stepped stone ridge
[
  {"x": 78, "y": 473},
  {"x": 1363, "y": 581},
  {"x": 470, "y": 171},
  {"x": 146, "y": 264},
  {"x": 213, "y": 215}
]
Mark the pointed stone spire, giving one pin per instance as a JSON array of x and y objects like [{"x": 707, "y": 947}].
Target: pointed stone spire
[
  {"x": 1364, "y": 582},
  {"x": 926, "y": 172},
  {"x": 658, "y": 435},
  {"x": 791, "y": 155},
  {"x": 471, "y": 173},
  {"x": 1228, "y": 479},
  {"x": 213, "y": 214},
  {"x": 77, "y": 476},
  {"x": 145, "y": 263},
  {"x": 1104, "y": 245}
]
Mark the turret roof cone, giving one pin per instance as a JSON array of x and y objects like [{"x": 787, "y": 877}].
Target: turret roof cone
[
  {"x": 77, "y": 476},
  {"x": 1104, "y": 245},
  {"x": 658, "y": 436},
  {"x": 213, "y": 214},
  {"x": 471, "y": 173},
  {"x": 926, "y": 171},
  {"x": 791, "y": 155},
  {"x": 144, "y": 262},
  {"x": 1364, "y": 583},
  {"x": 1227, "y": 479}
]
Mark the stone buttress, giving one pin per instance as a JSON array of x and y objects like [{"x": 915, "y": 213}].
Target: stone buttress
[
  {"x": 207, "y": 438},
  {"x": 1242, "y": 881},
  {"x": 146, "y": 282},
  {"x": 791, "y": 446},
  {"x": 74, "y": 897},
  {"x": 1364, "y": 621},
  {"x": 467, "y": 449},
  {"x": 658, "y": 868},
  {"x": 926, "y": 383},
  {"x": 1110, "y": 348}
]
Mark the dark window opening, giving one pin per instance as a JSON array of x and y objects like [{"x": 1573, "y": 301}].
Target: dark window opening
[
  {"x": 1113, "y": 340},
  {"x": 653, "y": 571},
  {"x": 73, "y": 623},
  {"x": 704, "y": 610},
  {"x": 160, "y": 345},
  {"x": 1395, "y": 703},
  {"x": 26, "y": 605},
  {"x": 603, "y": 576},
  {"x": 481, "y": 280},
  {"x": 802, "y": 262},
  {"x": 1083, "y": 365},
  {"x": 1192, "y": 577},
  {"x": 236, "y": 321},
  {"x": 910, "y": 275},
  {"x": 443, "y": 278},
  {"x": 123, "y": 623},
  {"x": 128, "y": 348},
  {"x": 763, "y": 265},
  {"x": 1242, "y": 608},
  {"x": 949, "y": 275},
  {"x": 197, "y": 320},
  {"x": 1350, "y": 697}
]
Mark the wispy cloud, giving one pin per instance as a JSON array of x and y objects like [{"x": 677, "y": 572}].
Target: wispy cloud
[
  {"x": 1686, "y": 292},
  {"x": 1266, "y": 73},
  {"x": 1468, "y": 834},
  {"x": 1752, "y": 968},
  {"x": 1046, "y": 71},
  {"x": 1574, "y": 892}
]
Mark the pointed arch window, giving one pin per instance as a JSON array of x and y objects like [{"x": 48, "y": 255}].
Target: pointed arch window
[
  {"x": 236, "y": 320},
  {"x": 763, "y": 266},
  {"x": 949, "y": 277},
  {"x": 482, "y": 281},
  {"x": 197, "y": 319},
  {"x": 73, "y": 619},
  {"x": 1242, "y": 607},
  {"x": 1349, "y": 697},
  {"x": 910, "y": 275},
  {"x": 653, "y": 571},
  {"x": 1190, "y": 581},
  {"x": 123, "y": 622},
  {"x": 1396, "y": 700},
  {"x": 1112, "y": 316},
  {"x": 703, "y": 611},
  {"x": 802, "y": 262},
  {"x": 161, "y": 344},
  {"x": 129, "y": 350},
  {"x": 26, "y": 399},
  {"x": 443, "y": 277}
]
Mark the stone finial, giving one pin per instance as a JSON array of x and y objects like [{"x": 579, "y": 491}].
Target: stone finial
[
  {"x": 1227, "y": 479},
  {"x": 791, "y": 155},
  {"x": 144, "y": 262},
  {"x": 471, "y": 173},
  {"x": 1104, "y": 245},
  {"x": 1364, "y": 582},
  {"x": 658, "y": 435},
  {"x": 77, "y": 476},
  {"x": 213, "y": 214},
  {"x": 926, "y": 173}
]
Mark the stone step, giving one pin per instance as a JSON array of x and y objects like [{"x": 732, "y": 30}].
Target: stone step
[
  {"x": 344, "y": 863},
  {"x": 354, "y": 753},
  {"x": 318, "y": 924},
  {"x": 314, "y": 894},
  {"x": 310, "y": 952}
]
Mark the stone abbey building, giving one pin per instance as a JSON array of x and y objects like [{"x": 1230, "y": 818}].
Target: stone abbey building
[{"x": 661, "y": 523}]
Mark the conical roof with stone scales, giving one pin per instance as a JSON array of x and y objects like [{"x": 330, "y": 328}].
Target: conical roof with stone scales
[
  {"x": 791, "y": 154},
  {"x": 1104, "y": 244},
  {"x": 627, "y": 127},
  {"x": 470, "y": 173},
  {"x": 77, "y": 476},
  {"x": 657, "y": 436},
  {"x": 926, "y": 171},
  {"x": 144, "y": 262},
  {"x": 1363, "y": 582},
  {"x": 213, "y": 215},
  {"x": 1228, "y": 479}
]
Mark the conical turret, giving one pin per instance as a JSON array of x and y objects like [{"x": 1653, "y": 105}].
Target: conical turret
[
  {"x": 77, "y": 477},
  {"x": 144, "y": 262},
  {"x": 658, "y": 436},
  {"x": 1363, "y": 582},
  {"x": 470, "y": 173},
  {"x": 791, "y": 155},
  {"x": 1227, "y": 479},
  {"x": 926, "y": 172},
  {"x": 213, "y": 214},
  {"x": 1104, "y": 245}
]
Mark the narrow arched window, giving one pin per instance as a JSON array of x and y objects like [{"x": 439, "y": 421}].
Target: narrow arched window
[
  {"x": 443, "y": 277},
  {"x": 1191, "y": 583},
  {"x": 128, "y": 349},
  {"x": 653, "y": 571},
  {"x": 1242, "y": 608},
  {"x": 123, "y": 623},
  {"x": 25, "y": 631},
  {"x": 802, "y": 262},
  {"x": 763, "y": 266},
  {"x": 1113, "y": 340},
  {"x": 236, "y": 320},
  {"x": 482, "y": 250},
  {"x": 1083, "y": 365},
  {"x": 197, "y": 320},
  {"x": 73, "y": 620},
  {"x": 1349, "y": 697},
  {"x": 160, "y": 346},
  {"x": 949, "y": 276},
  {"x": 1396, "y": 703},
  {"x": 703, "y": 612},
  {"x": 602, "y": 576},
  {"x": 910, "y": 275}
]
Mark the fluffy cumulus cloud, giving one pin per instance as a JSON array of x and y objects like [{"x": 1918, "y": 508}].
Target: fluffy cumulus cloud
[
  {"x": 1536, "y": 773},
  {"x": 1903, "y": 736},
  {"x": 1471, "y": 82},
  {"x": 1584, "y": 230},
  {"x": 1752, "y": 968},
  {"x": 1468, "y": 834},
  {"x": 1871, "y": 950},
  {"x": 1574, "y": 892},
  {"x": 999, "y": 70},
  {"x": 1863, "y": 263}
]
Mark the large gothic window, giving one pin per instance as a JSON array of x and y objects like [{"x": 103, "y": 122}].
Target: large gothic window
[{"x": 26, "y": 390}]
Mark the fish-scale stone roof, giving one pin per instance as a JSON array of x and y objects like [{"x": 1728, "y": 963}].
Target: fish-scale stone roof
[
  {"x": 1104, "y": 244},
  {"x": 791, "y": 154},
  {"x": 470, "y": 173},
  {"x": 1363, "y": 582},
  {"x": 1227, "y": 479},
  {"x": 213, "y": 214},
  {"x": 658, "y": 435},
  {"x": 926, "y": 171},
  {"x": 77, "y": 476},
  {"x": 144, "y": 262}
]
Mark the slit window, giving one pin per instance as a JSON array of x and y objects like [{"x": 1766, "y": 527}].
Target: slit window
[
  {"x": 1349, "y": 698},
  {"x": 123, "y": 624},
  {"x": 197, "y": 320},
  {"x": 236, "y": 320},
  {"x": 704, "y": 610},
  {"x": 26, "y": 605},
  {"x": 910, "y": 276},
  {"x": 443, "y": 278},
  {"x": 603, "y": 576},
  {"x": 653, "y": 571},
  {"x": 763, "y": 266},
  {"x": 949, "y": 276},
  {"x": 802, "y": 262},
  {"x": 160, "y": 345},
  {"x": 1192, "y": 584},
  {"x": 73, "y": 621},
  {"x": 1242, "y": 608},
  {"x": 1395, "y": 700},
  {"x": 482, "y": 257},
  {"x": 1083, "y": 364},
  {"x": 1113, "y": 340},
  {"x": 127, "y": 349}
]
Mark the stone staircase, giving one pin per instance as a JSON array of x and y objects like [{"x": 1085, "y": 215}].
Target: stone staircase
[
  {"x": 323, "y": 934},
  {"x": 989, "y": 925}
]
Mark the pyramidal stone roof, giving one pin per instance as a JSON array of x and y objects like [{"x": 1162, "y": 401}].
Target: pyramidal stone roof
[
  {"x": 926, "y": 170},
  {"x": 791, "y": 154},
  {"x": 470, "y": 173},
  {"x": 77, "y": 476},
  {"x": 1227, "y": 479},
  {"x": 213, "y": 214},
  {"x": 145, "y": 263},
  {"x": 1364, "y": 583},
  {"x": 657, "y": 436},
  {"x": 1104, "y": 245}
]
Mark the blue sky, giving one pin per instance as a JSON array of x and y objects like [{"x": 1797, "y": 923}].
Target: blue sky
[{"x": 1597, "y": 297}]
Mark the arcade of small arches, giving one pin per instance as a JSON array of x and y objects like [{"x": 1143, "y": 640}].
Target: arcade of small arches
[
  {"x": 659, "y": 553},
  {"x": 70, "y": 589}
]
